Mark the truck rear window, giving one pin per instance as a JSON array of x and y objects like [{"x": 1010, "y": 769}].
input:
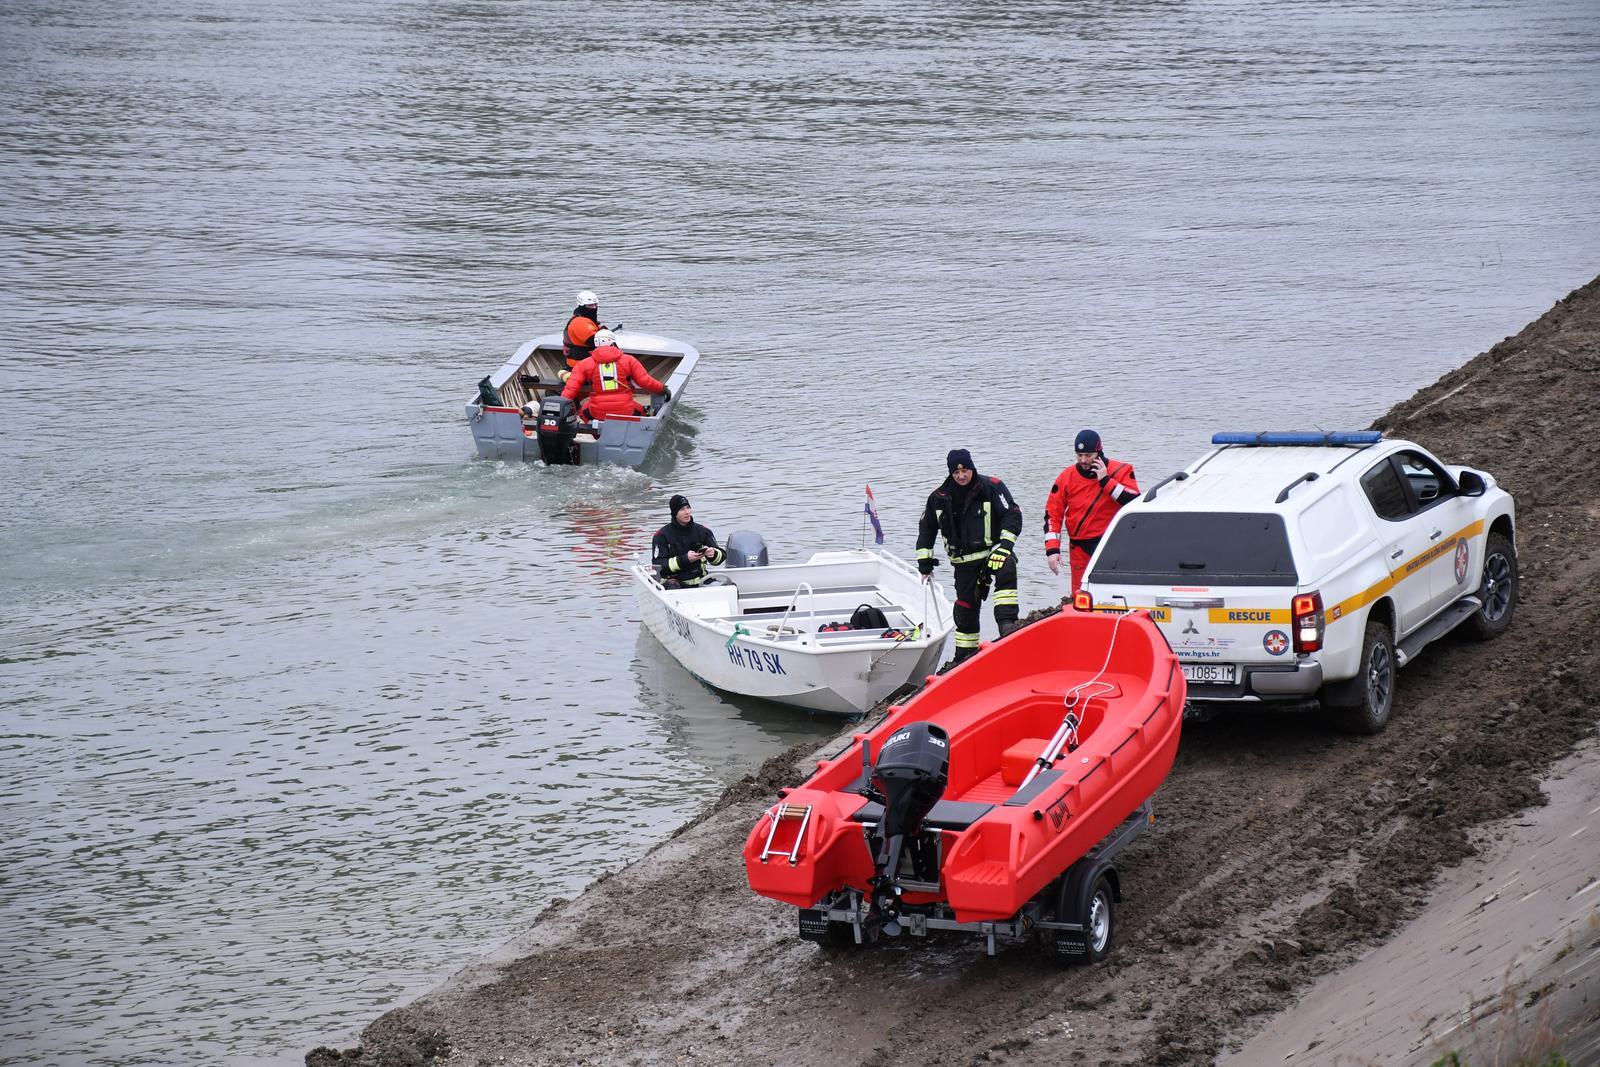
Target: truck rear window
[{"x": 1197, "y": 547}]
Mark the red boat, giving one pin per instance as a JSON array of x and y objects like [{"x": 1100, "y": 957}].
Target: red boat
[{"x": 995, "y": 801}]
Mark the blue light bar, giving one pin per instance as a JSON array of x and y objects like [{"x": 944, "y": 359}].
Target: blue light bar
[{"x": 1298, "y": 437}]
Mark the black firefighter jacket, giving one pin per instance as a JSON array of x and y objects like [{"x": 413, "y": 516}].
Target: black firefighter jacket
[
  {"x": 987, "y": 515},
  {"x": 669, "y": 552}
]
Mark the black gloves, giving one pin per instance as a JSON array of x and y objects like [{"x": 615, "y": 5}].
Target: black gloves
[
  {"x": 666, "y": 393},
  {"x": 925, "y": 566}
]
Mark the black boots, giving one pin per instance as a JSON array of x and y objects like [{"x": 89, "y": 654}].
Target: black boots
[
  {"x": 964, "y": 654},
  {"x": 1008, "y": 626}
]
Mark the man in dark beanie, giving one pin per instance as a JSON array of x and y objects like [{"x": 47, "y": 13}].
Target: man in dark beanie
[
  {"x": 980, "y": 521},
  {"x": 1082, "y": 502},
  {"x": 682, "y": 548}
]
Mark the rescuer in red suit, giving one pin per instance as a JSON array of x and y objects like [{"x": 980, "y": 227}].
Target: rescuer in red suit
[
  {"x": 1083, "y": 501},
  {"x": 611, "y": 375}
]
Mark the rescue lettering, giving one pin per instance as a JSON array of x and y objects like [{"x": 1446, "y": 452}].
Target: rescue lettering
[{"x": 1250, "y": 616}]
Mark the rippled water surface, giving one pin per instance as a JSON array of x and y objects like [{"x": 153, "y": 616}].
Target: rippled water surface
[{"x": 302, "y": 708}]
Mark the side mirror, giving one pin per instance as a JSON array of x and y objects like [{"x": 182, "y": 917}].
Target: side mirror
[{"x": 1471, "y": 483}]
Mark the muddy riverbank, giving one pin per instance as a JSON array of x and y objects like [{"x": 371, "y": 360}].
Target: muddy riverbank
[{"x": 1283, "y": 850}]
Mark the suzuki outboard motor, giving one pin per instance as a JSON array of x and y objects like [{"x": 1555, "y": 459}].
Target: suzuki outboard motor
[
  {"x": 745, "y": 549},
  {"x": 912, "y": 770},
  {"x": 558, "y": 426}
]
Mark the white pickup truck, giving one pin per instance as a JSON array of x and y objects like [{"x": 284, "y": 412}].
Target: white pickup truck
[{"x": 1291, "y": 566}]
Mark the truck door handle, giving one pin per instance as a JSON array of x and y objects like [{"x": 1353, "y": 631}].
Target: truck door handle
[
  {"x": 1436, "y": 535},
  {"x": 1397, "y": 553}
]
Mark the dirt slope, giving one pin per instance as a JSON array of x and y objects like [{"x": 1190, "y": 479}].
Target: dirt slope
[{"x": 1281, "y": 851}]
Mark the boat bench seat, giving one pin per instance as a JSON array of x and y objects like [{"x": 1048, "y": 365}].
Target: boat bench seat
[
  {"x": 782, "y": 597},
  {"x": 794, "y": 616},
  {"x": 946, "y": 814}
]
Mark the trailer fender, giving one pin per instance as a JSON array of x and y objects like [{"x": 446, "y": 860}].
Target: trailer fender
[{"x": 1077, "y": 886}]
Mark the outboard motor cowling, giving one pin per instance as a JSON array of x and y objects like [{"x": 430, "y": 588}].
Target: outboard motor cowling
[
  {"x": 745, "y": 549},
  {"x": 558, "y": 430},
  {"x": 911, "y": 773}
]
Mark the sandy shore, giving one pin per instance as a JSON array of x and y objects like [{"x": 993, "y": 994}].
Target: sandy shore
[{"x": 1299, "y": 886}]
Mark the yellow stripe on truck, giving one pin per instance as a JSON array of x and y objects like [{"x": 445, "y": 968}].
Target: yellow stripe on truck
[{"x": 1351, "y": 605}]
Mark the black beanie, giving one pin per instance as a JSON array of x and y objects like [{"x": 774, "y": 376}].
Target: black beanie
[
  {"x": 1087, "y": 441},
  {"x": 959, "y": 457},
  {"x": 677, "y": 503}
]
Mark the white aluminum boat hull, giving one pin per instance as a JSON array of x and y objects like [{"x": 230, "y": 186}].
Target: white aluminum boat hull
[
  {"x": 755, "y": 632},
  {"x": 506, "y": 433}
]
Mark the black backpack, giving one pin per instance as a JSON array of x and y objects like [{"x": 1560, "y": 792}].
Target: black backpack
[{"x": 867, "y": 617}]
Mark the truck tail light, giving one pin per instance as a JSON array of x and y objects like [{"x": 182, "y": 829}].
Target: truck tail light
[
  {"x": 1082, "y": 600},
  {"x": 1308, "y": 622}
]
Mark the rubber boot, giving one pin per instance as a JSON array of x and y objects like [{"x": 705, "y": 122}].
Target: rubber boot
[
  {"x": 964, "y": 654},
  {"x": 1009, "y": 626}
]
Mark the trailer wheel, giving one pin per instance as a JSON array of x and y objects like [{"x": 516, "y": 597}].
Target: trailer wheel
[
  {"x": 1101, "y": 921},
  {"x": 840, "y": 940},
  {"x": 1097, "y": 916}
]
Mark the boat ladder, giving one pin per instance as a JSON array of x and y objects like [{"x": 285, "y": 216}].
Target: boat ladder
[{"x": 787, "y": 813}]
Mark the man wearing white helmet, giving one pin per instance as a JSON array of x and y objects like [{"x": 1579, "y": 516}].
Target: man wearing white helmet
[
  {"x": 611, "y": 376},
  {"x": 578, "y": 337}
]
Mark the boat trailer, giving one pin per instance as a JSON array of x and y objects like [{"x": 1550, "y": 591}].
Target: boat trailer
[{"x": 1073, "y": 915}]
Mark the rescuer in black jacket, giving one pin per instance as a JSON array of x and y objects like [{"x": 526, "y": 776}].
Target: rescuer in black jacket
[
  {"x": 682, "y": 548},
  {"x": 979, "y": 520}
]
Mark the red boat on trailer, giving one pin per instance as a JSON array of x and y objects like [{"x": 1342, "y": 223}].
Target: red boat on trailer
[{"x": 995, "y": 801}]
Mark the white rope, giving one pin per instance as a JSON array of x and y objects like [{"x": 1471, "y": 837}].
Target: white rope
[{"x": 1068, "y": 732}]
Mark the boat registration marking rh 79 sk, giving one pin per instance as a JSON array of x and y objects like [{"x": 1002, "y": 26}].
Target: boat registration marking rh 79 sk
[{"x": 757, "y": 660}]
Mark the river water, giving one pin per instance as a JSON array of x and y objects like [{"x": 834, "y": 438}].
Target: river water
[{"x": 302, "y": 708}]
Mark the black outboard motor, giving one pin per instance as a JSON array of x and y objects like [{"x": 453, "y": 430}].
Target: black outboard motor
[
  {"x": 558, "y": 428},
  {"x": 745, "y": 548},
  {"x": 912, "y": 770}
]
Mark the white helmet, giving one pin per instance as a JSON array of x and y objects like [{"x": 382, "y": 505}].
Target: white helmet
[
  {"x": 602, "y": 338},
  {"x": 587, "y": 299}
]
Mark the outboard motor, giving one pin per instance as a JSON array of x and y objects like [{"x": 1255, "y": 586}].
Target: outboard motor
[
  {"x": 912, "y": 770},
  {"x": 558, "y": 427},
  {"x": 745, "y": 549}
]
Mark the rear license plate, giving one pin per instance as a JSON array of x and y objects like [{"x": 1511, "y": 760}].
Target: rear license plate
[{"x": 1222, "y": 673}]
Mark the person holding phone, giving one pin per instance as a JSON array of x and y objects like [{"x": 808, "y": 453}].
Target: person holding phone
[
  {"x": 682, "y": 548},
  {"x": 1083, "y": 500}
]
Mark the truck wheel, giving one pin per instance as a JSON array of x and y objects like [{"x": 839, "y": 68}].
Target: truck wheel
[
  {"x": 1498, "y": 591},
  {"x": 1362, "y": 705}
]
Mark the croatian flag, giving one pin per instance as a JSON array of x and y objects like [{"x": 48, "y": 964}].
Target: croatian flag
[{"x": 872, "y": 513}]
